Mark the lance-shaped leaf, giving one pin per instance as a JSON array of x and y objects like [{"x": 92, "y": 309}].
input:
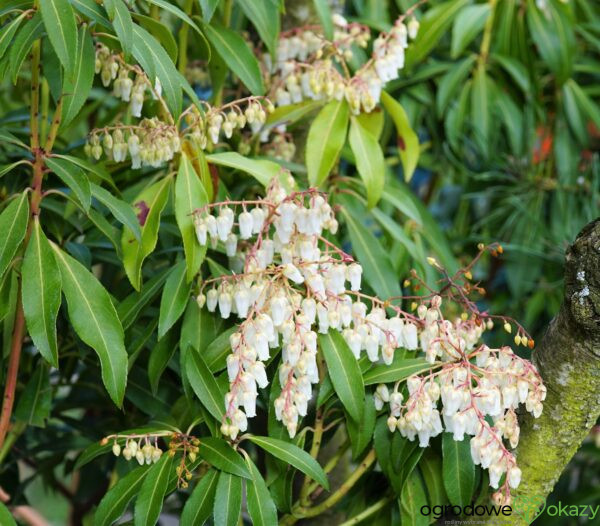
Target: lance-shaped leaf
[
  {"x": 204, "y": 384},
  {"x": 260, "y": 504},
  {"x": 408, "y": 142},
  {"x": 458, "y": 470},
  {"x": 8, "y": 32},
  {"x": 220, "y": 454},
  {"x": 59, "y": 21},
  {"x": 74, "y": 177},
  {"x": 41, "y": 286},
  {"x": 237, "y": 55},
  {"x": 20, "y": 47},
  {"x": 114, "y": 503},
  {"x": 361, "y": 432},
  {"x": 189, "y": 196},
  {"x": 6, "y": 517},
  {"x": 13, "y": 225},
  {"x": 263, "y": 16},
  {"x": 326, "y": 136},
  {"x": 199, "y": 505},
  {"x": 398, "y": 370},
  {"x": 293, "y": 455},
  {"x": 131, "y": 307},
  {"x": 174, "y": 298},
  {"x": 36, "y": 399},
  {"x": 208, "y": 9},
  {"x": 344, "y": 372},
  {"x": 95, "y": 320},
  {"x": 263, "y": 171},
  {"x": 122, "y": 211},
  {"x": 150, "y": 500},
  {"x": 150, "y": 204},
  {"x": 77, "y": 88},
  {"x": 121, "y": 20},
  {"x": 369, "y": 160},
  {"x": 228, "y": 500}
]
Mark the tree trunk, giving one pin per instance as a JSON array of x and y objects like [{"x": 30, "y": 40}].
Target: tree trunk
[{"x": 568, "y": 358}]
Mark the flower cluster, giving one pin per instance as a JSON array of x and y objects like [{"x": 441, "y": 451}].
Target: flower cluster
[
  {"x": 478, "y": 389},
  {"x": 111, "y": 68},
  {"x": 150, "y": 143},
  {"x": 142, "y": 450},
  {"x": 304, "y": 71}
]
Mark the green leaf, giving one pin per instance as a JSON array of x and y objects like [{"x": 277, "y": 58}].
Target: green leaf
[
  {"x": 173, "y": 9},
  {"x": 467, "y": 25},
  {"x": 294, "y": 456},
  {"x": 369, "y": 160},
  {"x": 150, "y": 500},
  {"x": 119, "y": 15},
  {"x": 480, "y": 109},
  {"x": 208, "y": 9},
  {"x": 114, "y": 503},
  {"x": 377, "y": 267},
  {"x": 228, "y": 500},
  {"x": 13, "y": 225},
  {"x": 324, "y": 13},
  {"x": 221, "y": 455},
  {"x": 160, "y": 356},
  {"x": 95, "y": 320},
  {"x": 264, "y": 19},
  {"x": 412, "y": 500},
  {"x": 174, "y": 298},
  {"x": 7, "y": 168},
  {"x": 162, "y": 33},
  {"x": 151, "y": 202},
  {"x": 408, "y": 141},
  {"x": 21, "y": 45},
  {"x": 433, "y": 26},
  {"x": 361, "y": 432},
  {"x": 291, "y": 113},
  {"x": 8, "y": 32},
  {"x": 205, "y": 385},
  {"x": 588, "y": 107},
  {"x": 36, "y": 399},
  {"x": 263, "y": 171},
  {"x": 344, "y": 372},
  {"x": 59, "y": 21},
  {"x": 400, "y": 369},
  {"x": 41, "y": 286},
  {"x": 199, "y": 505},
  {"x": 458, "y": 470},
  {"x": 189, "y": 196},
  {"x": 93, "y": 11},
  {"x": 451, "y": 81},
  {"x": 326, "y": 136},
  {"x": 73, "y": 177},
  {"x": 237, "y": 55},
  {"x": 6, "y": 517},
  {"x": 261, "y": 507},
  {"x": 431, "y": 469},
  {"x": 517, "y": 71},
  {"x": 122, "y": 211},
  {"x": 77, "y": 89}
]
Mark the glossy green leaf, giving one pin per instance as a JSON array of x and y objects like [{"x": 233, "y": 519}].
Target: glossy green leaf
[
  {"x": 59, "y": 21},
  {"x": 34, "y": 402},
  {"x": 95, "y": 320},
  {"x": 480, "y": 109},
  {"x": 115, "y": 502},
  {"x": 291, "y": 113},
  {"x": 8, "y": 32},
  {"x": 458, "y": 470},
  {"x": 189, "y": 196},
  {"x": 431, "y": 469},
  {"x": 361, "y": 432},
  {"x": 398, "y": 370},
  {"x": 13, "y": 225},
  {"x": 517, "y": 71},
  {"x": 160, "y": 356},
  {"x": 208, "y": 9},
  {"x": 467, "y": 25},
  {"x": 174, "y": 298},
  {"x": 173, "y": 9},
  {"x": 93, "y": 11},
  {"x": 74, "y": 177},
  {"x": 129, "y": 309},
  {"x": 77, "y": 88},
  {"x": 228, "y": 500},
  {"x": 294, "y": 456},
  {"x": 237, "y": 55},
  {"x": 412, "y": 500},
  {"x": 6, "y": 518},
  {"x": 150, "y": 203},
  {"x": 205, "y": 385},
  {"x": 261, "y": 507},
  {"x": 21, "y": 45},
  {"x": 218, "y": 453},
  {"x": 122, "y": 211},
  {"x": 326, "y": 136},
  {"x": 199, "y": 505},
  {"x": 263, "y": 171},
  {"x": 41, "y": 293},
  {"x": 119, "y": 15},
  {"x": 265, "y": 19},
  {"x": 150, "y": 499},
  {"x": 324, "y": 13},
  {"x": 344, "y": 372},
  {"x": 408, "y": 141},
  {"x": 369, "y": 160},
  {"x": 161, "y": 32}
]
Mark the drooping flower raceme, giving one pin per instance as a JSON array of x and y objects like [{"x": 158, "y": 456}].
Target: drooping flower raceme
[{"x": 293, "y": 284}]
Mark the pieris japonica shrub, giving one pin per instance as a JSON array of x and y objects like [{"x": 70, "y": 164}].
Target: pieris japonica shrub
[{"x": 209, "y": 305}]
